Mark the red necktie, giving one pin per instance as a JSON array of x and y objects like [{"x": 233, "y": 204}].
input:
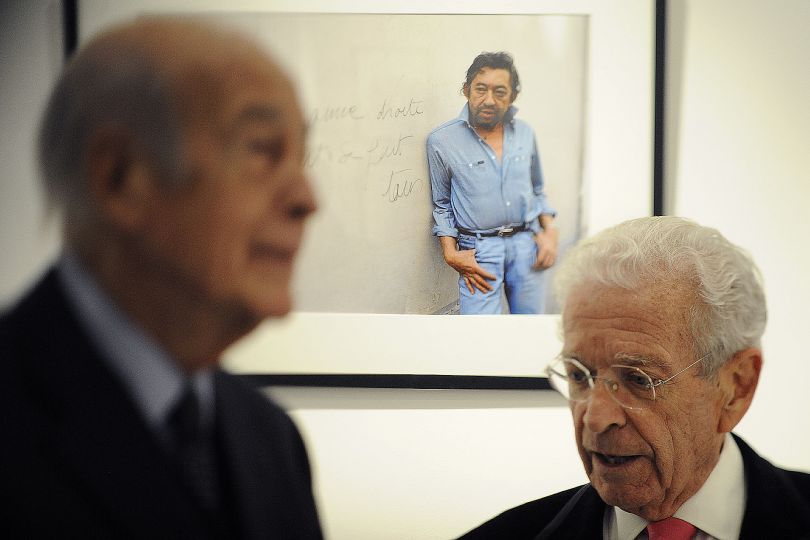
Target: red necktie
[{"x": 670, "y": 529}]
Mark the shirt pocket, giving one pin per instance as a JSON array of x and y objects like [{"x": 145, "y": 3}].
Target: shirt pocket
[
  {"x": 520, "y": 167},
  {"x": 476, "y": 178},
  {"x": 522, "y": 158}
]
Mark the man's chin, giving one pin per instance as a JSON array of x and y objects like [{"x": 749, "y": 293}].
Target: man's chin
[
  {"x": 488, "y": 124},
  {"x": 246, "y": 316},
  {"x": 277, "y": 304},
  {"x": 628, "y": 498}
]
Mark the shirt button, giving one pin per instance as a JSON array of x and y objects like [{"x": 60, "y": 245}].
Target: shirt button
[{"x": 508, "y": 203}]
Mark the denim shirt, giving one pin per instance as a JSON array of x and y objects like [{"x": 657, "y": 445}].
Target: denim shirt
[{"x": 472, "y": 190}]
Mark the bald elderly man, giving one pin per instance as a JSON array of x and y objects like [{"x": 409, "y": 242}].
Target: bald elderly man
[
  {"x": 662, "y": 320},
  {"x": 175, "y": 154}
]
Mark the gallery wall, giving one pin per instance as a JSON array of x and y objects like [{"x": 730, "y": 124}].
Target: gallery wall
[
  {"x": 30, "y": 58},
  {"x": 738, "y": 128}
]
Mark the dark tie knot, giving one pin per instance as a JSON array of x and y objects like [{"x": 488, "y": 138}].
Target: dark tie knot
[{"x": 184, "y": 420}]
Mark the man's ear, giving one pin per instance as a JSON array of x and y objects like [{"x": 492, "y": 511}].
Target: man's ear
[
  {"x": 120, "y": 182},
  {"x": 466, "y": 90},
  {"x": 738, "y": 379}
]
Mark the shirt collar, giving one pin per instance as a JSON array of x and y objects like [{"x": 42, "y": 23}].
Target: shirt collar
[
  {"x": 716, "y": 509},
  {"x": 153, "y": 380},
  {"x": 508, "y": 118}
]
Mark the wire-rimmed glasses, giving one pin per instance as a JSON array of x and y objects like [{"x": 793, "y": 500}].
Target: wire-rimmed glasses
[{"x": 629, "y": 386}]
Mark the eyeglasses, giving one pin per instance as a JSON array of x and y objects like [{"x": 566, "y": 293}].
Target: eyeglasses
[{"x": 629, "y": 386}]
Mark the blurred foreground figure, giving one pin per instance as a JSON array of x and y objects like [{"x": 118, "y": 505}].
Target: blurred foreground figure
[
  {"x": 662, "y": 320},
  {"x": 174, "y": 152}
]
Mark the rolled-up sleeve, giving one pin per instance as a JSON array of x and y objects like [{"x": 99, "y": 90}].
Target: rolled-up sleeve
[
  {"x": 440, "y": 178},
  {"x": 541, "y": 200}
]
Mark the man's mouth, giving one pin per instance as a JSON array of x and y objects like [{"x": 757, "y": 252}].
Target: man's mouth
[
  {"x": 274, "y": 253},
  {"x": 610, "y": 460}
]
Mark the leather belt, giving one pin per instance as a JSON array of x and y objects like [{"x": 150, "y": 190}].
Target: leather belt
[{"x": 503, "y": 231}]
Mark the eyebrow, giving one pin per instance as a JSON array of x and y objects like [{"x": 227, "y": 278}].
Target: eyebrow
[
  {"x": 629, "y": 359},
  {"x": 259, "y": 112},
  {"x": 636, "y": 360},
  {"x": 262, "y": 113}
]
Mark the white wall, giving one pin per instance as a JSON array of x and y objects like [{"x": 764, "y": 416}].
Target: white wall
[
  {"x": 738, "y": 160},
  {"x": 30, "y": 56},
  {"x": 399, "y": 464},
  {"x": 430, "y": 464}
]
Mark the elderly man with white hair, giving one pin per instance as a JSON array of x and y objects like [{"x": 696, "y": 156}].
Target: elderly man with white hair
[{"x": 662, "y": 320}]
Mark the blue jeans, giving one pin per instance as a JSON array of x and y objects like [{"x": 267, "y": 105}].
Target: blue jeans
[{"x": 510, "y": 259}]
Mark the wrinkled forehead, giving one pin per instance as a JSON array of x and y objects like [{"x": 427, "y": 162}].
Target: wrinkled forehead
[{"x": 651, "y": 321}]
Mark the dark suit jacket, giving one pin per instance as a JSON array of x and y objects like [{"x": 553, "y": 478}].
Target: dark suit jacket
[
  {"x": 777, "y": 506},
  {"x": 77, "y": 459}
]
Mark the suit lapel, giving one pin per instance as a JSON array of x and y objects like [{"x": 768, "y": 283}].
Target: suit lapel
[
  {"x": 580, "y": 519},
  {"x": 100, "y": 436},
  {"x": 773, "y": 508},
  {"x": 267, "y": 464},
  {"x": 256, "y": 487}
]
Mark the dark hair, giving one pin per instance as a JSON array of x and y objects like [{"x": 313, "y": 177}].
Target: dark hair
[{"x": 494, "y": 60}]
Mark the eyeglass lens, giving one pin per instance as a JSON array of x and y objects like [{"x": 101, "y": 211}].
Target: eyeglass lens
[{"x": 628, "y": 385}]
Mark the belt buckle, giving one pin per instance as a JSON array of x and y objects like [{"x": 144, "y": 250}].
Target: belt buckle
[{"x": 505, "y": 231}]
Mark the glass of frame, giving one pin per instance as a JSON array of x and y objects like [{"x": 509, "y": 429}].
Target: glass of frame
[{"x": 374, "y": 79}]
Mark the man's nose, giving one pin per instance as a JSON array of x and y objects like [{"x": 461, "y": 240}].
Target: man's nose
[
  {"x": 489, "y": 98},
  {"x": 306, "y": 201},
  {"x": 299, "y": 197},
  {"x": 602, "y": 411}
]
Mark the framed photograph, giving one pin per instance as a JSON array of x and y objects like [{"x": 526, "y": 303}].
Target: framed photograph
[{"x": 374, "y": 296}]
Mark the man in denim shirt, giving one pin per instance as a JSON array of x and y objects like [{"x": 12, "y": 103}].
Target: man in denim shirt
[{"x": 491, "y": 215}]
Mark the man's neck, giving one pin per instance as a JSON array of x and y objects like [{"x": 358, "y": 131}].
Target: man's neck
[
  {"x": 490, "y": 133},
  {"x": 190, "y": 329},
  {"x": 494, "y": 138}
]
